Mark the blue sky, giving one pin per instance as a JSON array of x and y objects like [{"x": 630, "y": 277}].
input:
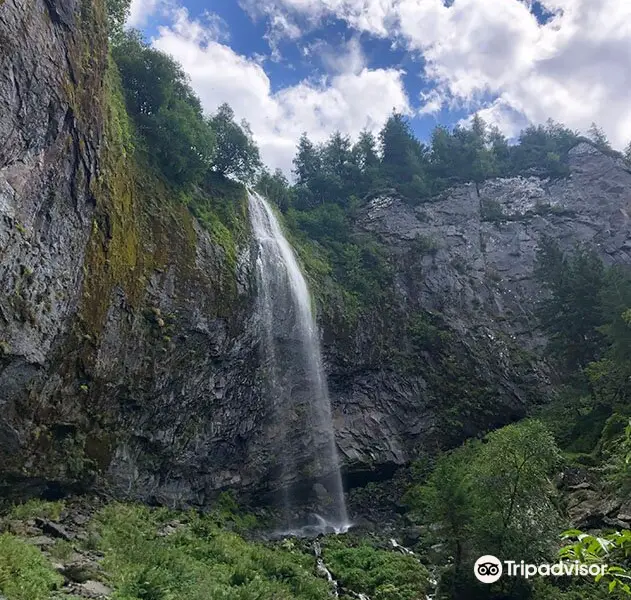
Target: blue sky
[{"x": 289, "y": 66}]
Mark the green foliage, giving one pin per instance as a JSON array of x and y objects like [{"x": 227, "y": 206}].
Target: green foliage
[
  {"x": 61, "y": 550},
  {"x": 236, "y": 154},
  {"x": 37, "y": 508},
  {"x": 491, "y": 210},
  {"x": 275, "y": 187},
  {"x": 493, "y": 497},
  {"x": 117, "y": 15},
  {"x": 177, "y": 139},
  {"x": 617, "y": 454},
  {"x": 573, "y": 312},
  {"x": 613, "y": 550},
  {"x": 198, "y": 560},
  {"x": 543, "y": 150},
  {"x": 220, "y": 205},
  {"x": 404, "y": 159},
  {"x": 25, "y": 574},
  {"x": 381, "y": 574},
  {"x": 466, "y": 154},
  {"x": 425, "y": 333},
  {"x": 599, "y": 138}
]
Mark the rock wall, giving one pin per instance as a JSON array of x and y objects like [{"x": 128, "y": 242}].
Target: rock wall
[
  {"x": 466, "y": 259},
  {"x": 129, "y": 351}
]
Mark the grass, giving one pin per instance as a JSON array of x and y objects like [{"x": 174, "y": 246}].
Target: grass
[
  {"x": 62, "y": 550},
  {"x": 37, "y": 508},
  {"x": 25, "y": 574},
  {"x": 199, "y": 560}
]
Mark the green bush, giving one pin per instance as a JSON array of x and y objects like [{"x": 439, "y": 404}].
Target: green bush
[
  {"x": 37, "y": 508},
  {"x": 381, "y": 574},
  {"x": 25, "y": 574},
  {"x": 199, "y": 560}
]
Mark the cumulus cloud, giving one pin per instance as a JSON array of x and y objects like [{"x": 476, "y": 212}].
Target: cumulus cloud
[
  {"x": 575, "y": 67},
  {"x": 141, "y": 11},
  {"x": 350, "y": 100}
]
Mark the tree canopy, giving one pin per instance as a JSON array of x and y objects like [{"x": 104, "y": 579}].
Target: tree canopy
[
  {"x": 179, "y": 140},
  {"x": 236, "y": 153}
]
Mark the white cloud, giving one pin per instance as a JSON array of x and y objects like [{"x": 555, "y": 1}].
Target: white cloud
[
  {"x": 349, "y": 101},
  {"x": 141, "y": 11},
  {"x": 347, "y": 57},
  {"x": 575, "y": 68}
]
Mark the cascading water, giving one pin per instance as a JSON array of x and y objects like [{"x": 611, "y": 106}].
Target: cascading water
[{"x": 296, "y": 384}]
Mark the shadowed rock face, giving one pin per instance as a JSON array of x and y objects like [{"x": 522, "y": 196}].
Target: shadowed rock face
[{"x": 129, "y": 352}]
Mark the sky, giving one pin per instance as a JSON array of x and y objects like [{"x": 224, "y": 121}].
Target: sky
[{"x": 318, "y": 66}]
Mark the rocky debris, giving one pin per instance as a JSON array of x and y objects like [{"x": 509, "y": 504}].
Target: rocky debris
[
  {"x": 79, "y": 566},
  {"x": 42, "y": 541},
  {"x": 53, "y": 529},
  {"x": 170, "y": 528},
  {"x": 81, "y": 570},
  {"x": 92, "y": 589},
  {"x": 592, "y": 509}
]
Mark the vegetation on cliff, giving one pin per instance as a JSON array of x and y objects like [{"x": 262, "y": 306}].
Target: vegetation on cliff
[{"x": 167, "y": 166}]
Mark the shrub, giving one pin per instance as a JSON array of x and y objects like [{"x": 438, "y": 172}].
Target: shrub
[{"x": 25, "y": 574}]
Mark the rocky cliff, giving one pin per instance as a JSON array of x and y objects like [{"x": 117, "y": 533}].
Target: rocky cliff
[
  {"x": 128, "y": 335},
  {"x": 464, "y": 262}
]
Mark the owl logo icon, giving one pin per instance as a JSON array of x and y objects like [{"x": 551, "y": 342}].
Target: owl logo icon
[{"x": 487, "y": 569}]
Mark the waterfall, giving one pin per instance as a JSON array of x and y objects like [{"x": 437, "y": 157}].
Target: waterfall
[{"x": 295, "y": 381}]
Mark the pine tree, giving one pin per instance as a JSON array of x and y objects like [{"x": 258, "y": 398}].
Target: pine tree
[
  {"x": 307, "y": 163},
  {"x": 598, "y": 136}
]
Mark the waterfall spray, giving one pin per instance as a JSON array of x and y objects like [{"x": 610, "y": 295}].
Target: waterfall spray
[{"x": 296, "y": 383}]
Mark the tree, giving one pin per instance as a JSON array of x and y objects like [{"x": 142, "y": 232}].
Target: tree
[
  {"x": 308, "y": 162},
  {"x": 117, "y": 15},
  {"x": 610, "y": 377},
  {"x": 466, "y": 154},
  {"x": 236, "y": 154},
  {"x": 493, "y": 497},
  {"x": 337, "y": 156},
  {"x": 403, "y": 158},
  {"x": 598, "y": 136},
  {"x": 275, "y": 187},
  {"x": 365, "y": 152},
  {"x": 572, "y": 313},
  {"x": 515, "y": 515},
  {"x": 500, "y": 149},
  {"x": 544, "y": 150},
  {"x": 167, "y": 113}
]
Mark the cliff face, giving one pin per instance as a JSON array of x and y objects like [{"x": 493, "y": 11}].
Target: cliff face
[
  {"x": 466, "y": 261},
  {"x": 127, "y": 351},
  {"x": 128, "y": 335}
]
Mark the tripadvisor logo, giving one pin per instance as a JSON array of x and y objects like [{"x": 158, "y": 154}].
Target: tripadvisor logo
[{"x": 489, "y": 569}]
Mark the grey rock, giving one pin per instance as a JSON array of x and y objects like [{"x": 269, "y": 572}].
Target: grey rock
[
  {"x": 80, "y": 572},
  {"x": 53, "y": 529},
  {"x": 42, "y": 541},
  {"x": 94, "y": 589},
  {"x": 161, "y": 398}
]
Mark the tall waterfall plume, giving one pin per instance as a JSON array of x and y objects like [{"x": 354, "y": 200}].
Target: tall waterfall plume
[{"x": 295, "y": 380}]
